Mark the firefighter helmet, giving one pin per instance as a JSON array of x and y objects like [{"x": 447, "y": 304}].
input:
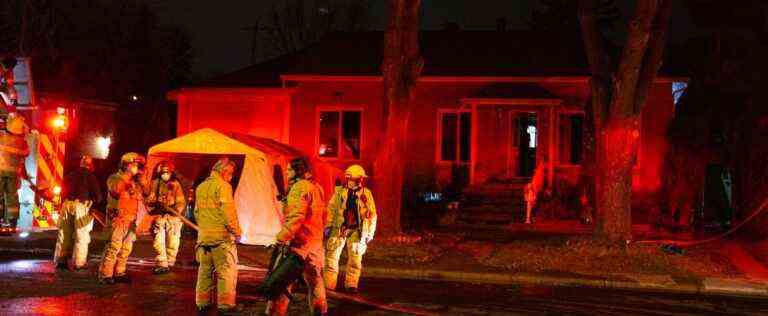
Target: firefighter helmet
[
  {"x": 130, "y": 158},
  {"x": 355, "y": 171},
  {"x": 86, "y": 162},
  {"x": 165, "y": 166},
  {"x": 15, "y": 124}
]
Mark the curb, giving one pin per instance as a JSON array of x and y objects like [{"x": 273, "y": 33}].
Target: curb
[
  {"x": 735, "y": 287},
  {"x": 33, "y": 251},
  {"x": 650, "y": 283}
]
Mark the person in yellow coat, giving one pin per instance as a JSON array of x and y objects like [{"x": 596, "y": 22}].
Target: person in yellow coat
[
  {"x": 13, "y": 151},
  {"x": 127, "y": 189},
  {"x": 166, "y": 201},
  {"x": 351, "y": 223},
  {"x": 219, "y": 230},
  {"x": 302, "y": 232}
]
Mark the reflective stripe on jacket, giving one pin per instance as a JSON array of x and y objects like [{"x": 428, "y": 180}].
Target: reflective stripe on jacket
[
  {"x": 215, "y": 211},
  {"x": 305, "y": 215},
  {"x": 365, "y": 206}
]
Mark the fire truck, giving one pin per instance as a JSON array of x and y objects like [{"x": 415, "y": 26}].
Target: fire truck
[{"x": 46, "y": 136}]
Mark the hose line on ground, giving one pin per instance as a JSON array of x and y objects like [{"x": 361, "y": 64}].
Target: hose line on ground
[
  {"x": 689, "y": 243},
  {"x": 333, "y": 294}
]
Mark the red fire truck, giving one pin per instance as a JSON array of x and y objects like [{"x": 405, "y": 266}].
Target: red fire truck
[{"x": 43, "y": 169}]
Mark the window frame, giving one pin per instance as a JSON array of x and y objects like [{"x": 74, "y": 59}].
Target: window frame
[
  {"x": 439, "y": 136},
  {"x": 339, "y": 109},
  {"x": 568, "y": 113}
]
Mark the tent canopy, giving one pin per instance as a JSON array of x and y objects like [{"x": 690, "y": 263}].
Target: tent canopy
[{"x": 258, "y": 209}]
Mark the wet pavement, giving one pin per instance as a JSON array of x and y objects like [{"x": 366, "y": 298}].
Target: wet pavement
[{"x": 31, "y": 286}]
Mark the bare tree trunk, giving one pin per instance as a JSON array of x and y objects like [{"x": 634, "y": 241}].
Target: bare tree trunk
[
  {"x": 401, "y": 67},
  {"x": 619, "y": 91}
]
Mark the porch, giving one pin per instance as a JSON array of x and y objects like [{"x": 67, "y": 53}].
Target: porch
[{"x": 507, "y": 145}]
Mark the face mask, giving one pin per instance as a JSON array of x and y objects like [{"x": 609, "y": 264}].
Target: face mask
[
  {"x": 353, "y": 184},
  {"x": 165, "y": 176},
  {"x": 134, "y": 170}
]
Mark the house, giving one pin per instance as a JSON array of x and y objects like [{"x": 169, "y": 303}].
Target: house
[{"x": 492, "y": 108}]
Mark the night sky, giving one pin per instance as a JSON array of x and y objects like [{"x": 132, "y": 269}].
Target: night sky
[{"x": 222, "y": 42}]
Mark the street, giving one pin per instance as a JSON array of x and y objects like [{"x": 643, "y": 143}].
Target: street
[{"x": 34, "y": 287}]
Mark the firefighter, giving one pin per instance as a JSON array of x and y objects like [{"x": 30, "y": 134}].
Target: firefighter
[
  {"x": 166, "y": 201},
  {"x": 13, "y": 150},
  {"x": 352, "y": 222},
  {"x": 81, "y": 190},
  {"x": 127, "y": 189},
  {"x": 219, "y": 229},
  {"x": 302, "y": 231}
]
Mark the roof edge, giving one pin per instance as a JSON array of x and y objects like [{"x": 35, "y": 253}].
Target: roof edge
[
  {"x": 463, "y": 79},
  {"x": 173, "y": 95},
  {"x": 511, "y": 101}
]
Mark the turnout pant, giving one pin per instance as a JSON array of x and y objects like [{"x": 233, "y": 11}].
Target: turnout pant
[
  {"x": 220, "y": 259},
  {"x": 355, "y": 250},
  {"x": 167, "y": 229},
  {"x": 9, "y": 197},
  {"x": 315, "y": 287},
  {"x": 118, "y": 248},
  {"x": 75, "y": 227}
]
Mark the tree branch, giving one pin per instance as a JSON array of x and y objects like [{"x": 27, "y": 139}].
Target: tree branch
[
  {"x": 590, "y": 34},
  {"x": 598, "y": 60},
  {"x": 653, "y": 56},
  {"x": 632, "y": 58}
]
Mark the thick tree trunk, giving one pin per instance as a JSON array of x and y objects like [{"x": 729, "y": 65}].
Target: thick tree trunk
[
  {"x": 619, "y": 90},
  {"x": 400, "y": 68},
  {"x": 617, "y": 149}
]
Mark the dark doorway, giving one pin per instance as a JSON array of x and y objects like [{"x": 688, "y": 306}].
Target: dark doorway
[{"x": 528, "y": 132}]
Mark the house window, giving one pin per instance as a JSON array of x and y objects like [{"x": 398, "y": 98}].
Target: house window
[
  {"x": 571, "y": 139},
  {"x": 340, "y": 134},
  {"x": 678, "y": 89},
  {"x": 455, "y": 136}
]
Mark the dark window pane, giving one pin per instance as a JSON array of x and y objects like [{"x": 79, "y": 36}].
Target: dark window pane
[
  {"x": 351, "y": 132},
  {"x": 564, "y": 147},
  {"x": 449, "y": 142},
  {"x": 577, "y": 139},
  {"x": 329, "y": 134},
  {"x": 465, "y": 137},
  {"x": 571, "y": 139},
  {"x": 22, "y": 94}
]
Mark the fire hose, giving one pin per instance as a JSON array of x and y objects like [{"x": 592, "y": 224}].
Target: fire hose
[
  {"x": 688, "y": 243},
  {"x": 329, "y": 293}
]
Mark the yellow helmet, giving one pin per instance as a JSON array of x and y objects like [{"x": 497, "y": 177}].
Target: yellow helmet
[
  {"x": 355, "y": 171},
  {"x": 15, "y": 124},
  {"x": 129, "y": 158}
]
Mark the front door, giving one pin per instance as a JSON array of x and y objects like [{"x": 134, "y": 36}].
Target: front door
[{"x": 523, "y": 143}]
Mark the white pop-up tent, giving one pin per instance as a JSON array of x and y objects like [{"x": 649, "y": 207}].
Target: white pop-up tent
[{"x": 259, "y": 161}]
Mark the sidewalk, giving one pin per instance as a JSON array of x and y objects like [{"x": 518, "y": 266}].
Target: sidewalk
[
  {"x": 725, "y": 268},
  {"x": 717, "y": 269}
]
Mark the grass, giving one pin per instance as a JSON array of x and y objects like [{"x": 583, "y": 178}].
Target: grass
[{"x": 573, "y": 255}]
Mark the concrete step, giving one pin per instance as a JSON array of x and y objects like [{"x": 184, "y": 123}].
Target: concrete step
[
  {"x": 491, "y": 218},
  {"x": 495, "y": 202},
  {"x": 495, "y": 189},
  {"x": 508, "y": 209}
]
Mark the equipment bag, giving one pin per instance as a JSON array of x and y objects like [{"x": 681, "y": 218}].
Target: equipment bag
[{"x": 287, "y": 267}]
